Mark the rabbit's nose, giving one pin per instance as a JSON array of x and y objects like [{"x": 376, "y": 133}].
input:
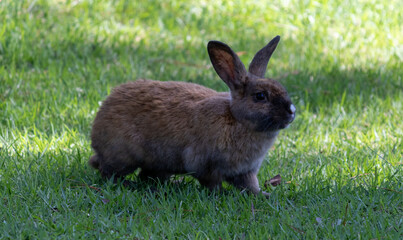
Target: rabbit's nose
[{"x": 292, "y": 109}]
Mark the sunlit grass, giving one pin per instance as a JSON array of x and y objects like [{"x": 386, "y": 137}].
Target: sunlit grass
[{"x": 340, "y": 160}]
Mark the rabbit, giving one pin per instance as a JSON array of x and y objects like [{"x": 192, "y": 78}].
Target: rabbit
[{"x": 167, "y": 128}]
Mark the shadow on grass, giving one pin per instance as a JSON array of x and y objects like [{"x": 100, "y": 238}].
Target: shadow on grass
[
  {"x": 350, "y": 89},
  {"x": 120, "y": 62}
]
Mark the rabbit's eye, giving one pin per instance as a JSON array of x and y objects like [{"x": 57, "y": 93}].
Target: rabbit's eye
[{"x": 260, "y": 96}]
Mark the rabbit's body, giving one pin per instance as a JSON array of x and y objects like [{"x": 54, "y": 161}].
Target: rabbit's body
[{"x": 168, "y": 128}]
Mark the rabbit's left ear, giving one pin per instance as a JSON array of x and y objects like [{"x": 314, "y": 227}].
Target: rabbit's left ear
[
  {"x": 227, "y": 64},
  {"x": 259, "y": 63}
]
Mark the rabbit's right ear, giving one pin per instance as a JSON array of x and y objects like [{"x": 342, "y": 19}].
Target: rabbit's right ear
[
  {"x": 259, "y": 63},
  {"x": 227, "y": 64}
]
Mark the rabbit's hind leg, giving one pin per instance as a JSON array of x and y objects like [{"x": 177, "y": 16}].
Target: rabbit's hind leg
[{"x": 115, "y": 166}]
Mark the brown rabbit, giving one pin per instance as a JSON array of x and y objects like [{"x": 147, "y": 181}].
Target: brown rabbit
[{"x": 168, "y": 128}]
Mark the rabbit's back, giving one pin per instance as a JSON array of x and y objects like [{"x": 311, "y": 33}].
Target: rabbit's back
[{"x": 148, "y": 105}]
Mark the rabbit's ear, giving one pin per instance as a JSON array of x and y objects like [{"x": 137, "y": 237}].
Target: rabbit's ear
[
  {"x": 259, "y": 63},
  {"x": 227, "y": 64}
]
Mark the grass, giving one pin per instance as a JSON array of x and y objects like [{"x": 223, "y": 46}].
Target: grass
[{"x": 341, "y": 160}]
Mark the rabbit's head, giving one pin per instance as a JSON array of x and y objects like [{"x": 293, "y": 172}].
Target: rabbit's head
[{"x": 260, "y": 103}]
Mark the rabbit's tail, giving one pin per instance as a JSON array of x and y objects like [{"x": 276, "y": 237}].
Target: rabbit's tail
[{"x": 94, "y": 161}]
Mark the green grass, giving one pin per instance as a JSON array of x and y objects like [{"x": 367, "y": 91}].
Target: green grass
[{"x": 341, "y": 160}]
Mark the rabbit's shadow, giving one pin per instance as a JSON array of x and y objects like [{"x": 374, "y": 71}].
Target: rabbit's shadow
[{"x": 176, "y": 187}]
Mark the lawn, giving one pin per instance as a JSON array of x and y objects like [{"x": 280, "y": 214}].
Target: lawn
[{"x": 340, "y": 161}]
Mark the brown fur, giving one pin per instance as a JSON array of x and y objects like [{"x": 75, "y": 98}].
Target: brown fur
[{"x": 168, "y": 128}]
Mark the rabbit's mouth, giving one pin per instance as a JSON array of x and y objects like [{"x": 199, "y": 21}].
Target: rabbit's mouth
[
  {"x": 289, "y": 117},
  {"x": 288, "y": 121},
  {"x": 267, "y": 122},
  {"x": 272, "y": 123},
  {"x": 285, "y": 125}
]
